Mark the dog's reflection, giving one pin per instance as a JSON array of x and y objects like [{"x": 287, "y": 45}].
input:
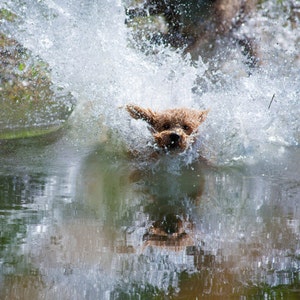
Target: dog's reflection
[
  {"x": 171, "y": 202},
  {"x": 170, "y": 231}
]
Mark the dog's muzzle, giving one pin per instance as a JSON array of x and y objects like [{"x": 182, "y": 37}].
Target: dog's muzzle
[{"x": 174, "y": 140}]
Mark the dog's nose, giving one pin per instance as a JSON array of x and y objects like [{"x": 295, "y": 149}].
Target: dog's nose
[{"x": 174, "y": 137}]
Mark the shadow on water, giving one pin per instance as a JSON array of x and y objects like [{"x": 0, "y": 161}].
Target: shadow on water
[{"x": 92, "y": 224}]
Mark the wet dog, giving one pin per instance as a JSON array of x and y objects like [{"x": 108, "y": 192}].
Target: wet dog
[{"x": 173, "y": 129}]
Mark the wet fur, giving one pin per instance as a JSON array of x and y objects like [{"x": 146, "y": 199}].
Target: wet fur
[{"x": 173, "y": 129}]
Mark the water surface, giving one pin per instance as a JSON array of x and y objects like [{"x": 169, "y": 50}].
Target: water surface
[
  {"x": 81, "y": 218},
  {"x": 76, "y": 223}
]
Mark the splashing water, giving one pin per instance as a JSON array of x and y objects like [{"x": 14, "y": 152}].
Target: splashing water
[{"x": 88, "y": 49}]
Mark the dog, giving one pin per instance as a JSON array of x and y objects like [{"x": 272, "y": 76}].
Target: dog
[{"x": 174, "y": 130}]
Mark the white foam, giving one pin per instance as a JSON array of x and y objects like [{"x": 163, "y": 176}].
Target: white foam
[{"x": 88, "y": 49}]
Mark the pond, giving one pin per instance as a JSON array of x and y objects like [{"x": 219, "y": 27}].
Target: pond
[
  {"x": 82, "y": 222},
  {"x": 82, "y": 217}
]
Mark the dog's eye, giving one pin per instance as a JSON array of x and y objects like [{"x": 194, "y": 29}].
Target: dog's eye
[
  {"x": 186, "y": 127},
  {"x": 166, "y": 126}
]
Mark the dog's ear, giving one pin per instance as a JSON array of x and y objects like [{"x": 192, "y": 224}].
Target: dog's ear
[
  {"x": 138, "y": 112},
  {"x": 202, "y": 115}
]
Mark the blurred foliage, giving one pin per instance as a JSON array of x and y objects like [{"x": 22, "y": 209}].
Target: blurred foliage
[
  {"x": 22, "y": 79},
  {"x": 149, "y": 23},
  {"x": 29, "y": 103},
  {"x": 7, "y": 15}
]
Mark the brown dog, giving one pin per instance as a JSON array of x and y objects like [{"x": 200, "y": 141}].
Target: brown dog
[{"x": 173, "y": 129}]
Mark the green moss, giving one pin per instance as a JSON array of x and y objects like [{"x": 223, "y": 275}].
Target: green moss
[
  {"x": 7, "y": 15},
  {"x": 27, "y": 132},
  {"x": 28, "y": 98}
]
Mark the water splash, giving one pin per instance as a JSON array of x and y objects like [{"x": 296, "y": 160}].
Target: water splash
[{"x": 88, "y": 49}]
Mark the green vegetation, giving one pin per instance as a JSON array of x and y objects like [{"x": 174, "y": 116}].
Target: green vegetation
[
  {"x": 29, "y": 104},
  {"x": 7, "y": 15}
]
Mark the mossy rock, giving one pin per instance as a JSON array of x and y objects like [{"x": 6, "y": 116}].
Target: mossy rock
[{"x": 28, "y": 100}]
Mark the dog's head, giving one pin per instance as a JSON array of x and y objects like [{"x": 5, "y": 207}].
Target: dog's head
[{"x": 173, "y": 129}]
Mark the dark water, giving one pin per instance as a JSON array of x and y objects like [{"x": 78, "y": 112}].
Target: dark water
[{"x": 82, "y": 222}]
